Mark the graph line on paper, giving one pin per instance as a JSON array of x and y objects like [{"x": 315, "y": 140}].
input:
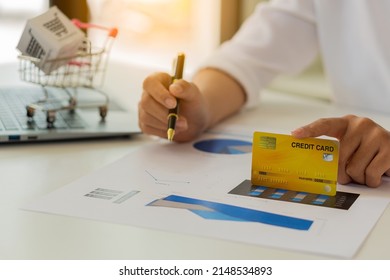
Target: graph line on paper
[{"x": 166, "y": 182}]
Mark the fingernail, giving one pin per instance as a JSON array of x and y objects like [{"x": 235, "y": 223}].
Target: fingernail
[
  {"x": 298, "y": 132},
  {"x": 180, "y": 123},
  {"x": 170, "y": 102},
  {"x": 175, "y": 88}
]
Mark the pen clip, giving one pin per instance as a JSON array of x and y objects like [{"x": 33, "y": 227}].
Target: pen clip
[
  {"x": 178, "y": 67},
  {"x": 173, "y": 71}
]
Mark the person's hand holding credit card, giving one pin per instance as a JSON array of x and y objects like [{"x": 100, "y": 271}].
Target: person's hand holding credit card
[{"x": 285, "y": 162}]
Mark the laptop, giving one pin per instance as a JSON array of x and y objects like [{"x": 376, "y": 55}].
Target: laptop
[{"x": 31, "y": 114}]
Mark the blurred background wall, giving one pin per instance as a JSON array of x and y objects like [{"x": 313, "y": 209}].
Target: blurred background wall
[{"x": 153, "y": 31}]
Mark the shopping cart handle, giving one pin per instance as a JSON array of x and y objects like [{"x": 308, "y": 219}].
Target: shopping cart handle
[{"x": 112, "y": 32}]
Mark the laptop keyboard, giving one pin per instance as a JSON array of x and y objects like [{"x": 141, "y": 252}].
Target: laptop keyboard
[{"x": 13, "y": 115}]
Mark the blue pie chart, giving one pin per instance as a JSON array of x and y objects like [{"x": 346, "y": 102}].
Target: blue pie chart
[{"x": 224, "y": 146}]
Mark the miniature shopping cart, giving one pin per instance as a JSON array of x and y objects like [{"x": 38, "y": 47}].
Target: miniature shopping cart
[{"x": 85, "y": 70}]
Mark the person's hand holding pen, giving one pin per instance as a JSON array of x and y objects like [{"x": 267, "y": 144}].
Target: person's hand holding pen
[
  {"x": 160, "y": 98},
  {"x": 200, "y": 103}
]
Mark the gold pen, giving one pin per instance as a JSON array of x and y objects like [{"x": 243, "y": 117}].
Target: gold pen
[{"x": 173, "y": 113}]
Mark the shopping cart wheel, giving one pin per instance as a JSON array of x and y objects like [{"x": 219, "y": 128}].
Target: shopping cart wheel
[
  {"x": 72, "y": 104},
  {"x": 50, "y": 118},
  {"x": 103, "y": 112},
  {"x": 30, "y": 111}
]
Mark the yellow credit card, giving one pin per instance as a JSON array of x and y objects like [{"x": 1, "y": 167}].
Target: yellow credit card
[{"x": 305, "y": 165}]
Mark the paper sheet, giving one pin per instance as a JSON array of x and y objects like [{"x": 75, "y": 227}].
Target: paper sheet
[{"x": 194, "y": 188}]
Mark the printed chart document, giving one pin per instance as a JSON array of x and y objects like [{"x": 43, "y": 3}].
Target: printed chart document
[{"x": 203, "y": 188}]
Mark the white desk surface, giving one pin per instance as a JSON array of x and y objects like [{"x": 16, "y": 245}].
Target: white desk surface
[{"x": 28, "y": 171}]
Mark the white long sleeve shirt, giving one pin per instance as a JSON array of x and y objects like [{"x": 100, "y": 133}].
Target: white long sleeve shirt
[{"x": 284, "y": 36}]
